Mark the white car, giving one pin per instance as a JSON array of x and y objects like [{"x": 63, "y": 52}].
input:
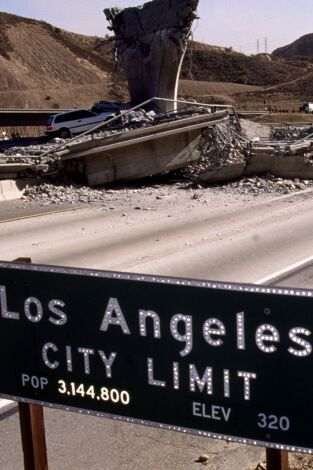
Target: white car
[{"x": 74, "y": 122}]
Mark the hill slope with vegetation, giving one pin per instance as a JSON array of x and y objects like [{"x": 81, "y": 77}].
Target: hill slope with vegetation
[
  {"x": 302, "y": 47},
  {"x": 209, "y": 63}
]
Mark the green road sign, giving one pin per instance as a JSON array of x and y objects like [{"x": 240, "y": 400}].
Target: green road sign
[{"x": 220, "y": 360}]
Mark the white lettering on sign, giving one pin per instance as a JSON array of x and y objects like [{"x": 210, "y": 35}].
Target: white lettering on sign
[
  {"x": 214, "y": 327},
  {"x": 267, "y": 337},
  {"x": 240, "y": 323},
  {"x": 61, "y": 318},
  {"x": 5, "y": 313},
  {"x": 205, "y": 380},
  {"x": 213, "y": 331},
  {"x": 305, "y": 346},
  {"x": 46, "y": 360},
  {"x": 151, "y": 379},
  {"x": 269, "y": 334},
  {"x": 247, "y": 377},
  {"x": 117, "y": 319},
  {"x": 86, "y": 353},
  {"x": 53, "y": 357},
  {"x": 212, "y": 412},
  {"x": 201, "y": 382},
  {"x": 33, "y": 309},
  {"x": 34, "y": 381},
  {"x": 143, "y": 315},
  {"x": 107, "y": 362},
  {"x": 274, "y": 422},
  {"x": 186, "y": 336}
]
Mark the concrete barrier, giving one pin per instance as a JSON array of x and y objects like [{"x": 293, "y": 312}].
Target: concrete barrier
[{"x": 11, "y": 190}]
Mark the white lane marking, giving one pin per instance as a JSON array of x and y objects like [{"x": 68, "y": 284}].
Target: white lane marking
[
  {"x": 290, "y": 268},
  {"x": 288, "y": 196}
]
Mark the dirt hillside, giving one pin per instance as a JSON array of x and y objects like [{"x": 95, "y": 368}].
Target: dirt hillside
[{"x": 45, "y": 66}]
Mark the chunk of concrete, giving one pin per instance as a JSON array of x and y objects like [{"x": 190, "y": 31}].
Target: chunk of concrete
[
  {"x": 12, "y": 189},
  {"x": 230, "y": 172},
  {"x": 278, "y": 165},
  {"x": 151, "y": 41}
]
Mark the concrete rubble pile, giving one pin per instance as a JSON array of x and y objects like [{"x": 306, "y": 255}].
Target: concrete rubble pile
[
  {"x": 287, "y": 153},
  {"x": 24, "y": 161},
  {"x": 221, "y": 146},
  {"x": 291, "y": 133},
  {"x": 28, "y": 153},
  {"x": 47, "y": 194}
]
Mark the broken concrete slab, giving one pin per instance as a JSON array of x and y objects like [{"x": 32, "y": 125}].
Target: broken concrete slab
[
  {"x": 151, "y": 41},
  {"x": 215, "y": 175},
  {"x": 279, "y": 165},
  {"x": 257, "y": 165},
  {"x": 140, "y": 152}
]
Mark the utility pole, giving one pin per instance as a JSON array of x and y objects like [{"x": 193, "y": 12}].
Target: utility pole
[
  {"x": 266, "y": 45},
  {"x": 258, "y": 46}
]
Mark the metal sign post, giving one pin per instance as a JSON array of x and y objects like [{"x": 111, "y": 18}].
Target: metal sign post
[
  {"x": 227, "y": 361},
  {"x": 32, "y": 427},
  {"x": 33, "y": 436},
  {"x": 276, "y": 459}
]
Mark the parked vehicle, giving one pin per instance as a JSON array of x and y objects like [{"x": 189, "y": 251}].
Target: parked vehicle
[
  {"x": 307, "y": 108},
  {"x": 106, "y": 107},
  {"x": 74, "y": 122}
]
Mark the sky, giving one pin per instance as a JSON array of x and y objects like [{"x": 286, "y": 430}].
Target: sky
[{"x": 248, "y": 26}]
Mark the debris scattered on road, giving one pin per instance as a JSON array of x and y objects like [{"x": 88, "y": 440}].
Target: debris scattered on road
[
  {"x": 204, "y": 459},
  {"x": 46, "y": 194},
  {"x": 269, "y": 184}
]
